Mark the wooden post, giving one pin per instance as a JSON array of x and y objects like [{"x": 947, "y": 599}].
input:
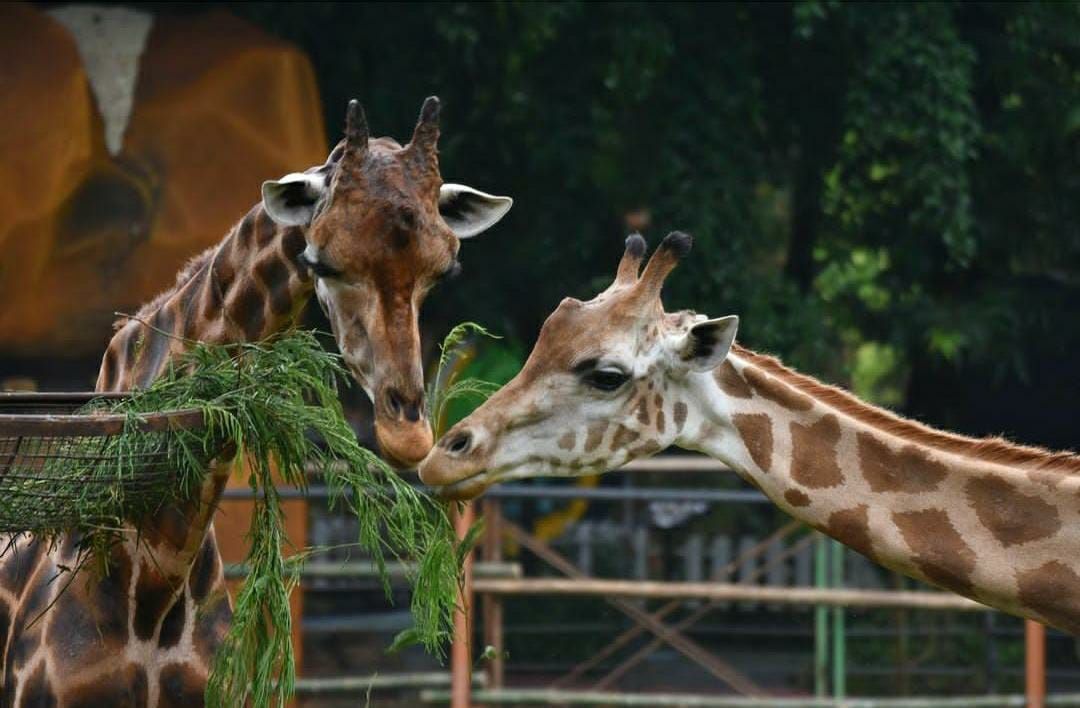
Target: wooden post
[
  {"x": 1035, "y": 664},
  {"x": 460, "y": 655},
  {"x": 493, "y": 608}
]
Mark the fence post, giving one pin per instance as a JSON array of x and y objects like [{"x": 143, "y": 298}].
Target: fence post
[
  {"x": 839, "y": 635},
  {"x": 1035, "y": 664},
  {"x": 493, "y": 608},
  {"x": 821, "y": 620},
  {"x": 460, "y": 655}
]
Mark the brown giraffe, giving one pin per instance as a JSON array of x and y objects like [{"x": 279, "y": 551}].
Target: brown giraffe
[
  {"x": 617, "y": 378},
  {"x": 369, "y": 232}
]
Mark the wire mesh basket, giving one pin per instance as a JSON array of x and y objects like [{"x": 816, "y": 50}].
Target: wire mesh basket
[{"x": 63, "y": 468}]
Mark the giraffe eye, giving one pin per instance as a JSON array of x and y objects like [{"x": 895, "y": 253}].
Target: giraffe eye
[{"x": 606, "y": 379}]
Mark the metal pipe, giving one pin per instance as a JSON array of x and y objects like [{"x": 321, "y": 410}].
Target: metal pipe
[
  {"x": 359, "y": 684},
  {"x": 839, "y": 648},
  {"x": 549, "y": 697},
  {"x": 821, "y": 621},
  {"x": 728, "y": 592}
]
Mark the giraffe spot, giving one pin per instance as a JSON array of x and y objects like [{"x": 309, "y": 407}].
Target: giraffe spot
[
  {"x": 623, "y": 437},
  {"x": 679, "y": 413},
  {"x": 813, "y": 453},
  {"x": 245, "y": 230},
  {"x": 211, "y": 624},
  {"x": 1052, "y": 590},
  {"x": 204, "y": 571},
  {"x": 25, "y": 639},
  {"x": 643, "y": 410},
  {"x": 293, "y": 244},
  {"x": 851, "y": 527},
  {"x": 595, "y": 435},
  {"x": 645, "y": 448},
  {"x": 172, "y": 627},
  {"x": 567, "y": 440},
  {"x": 755, "y": 431},
  {"x": 777, "y": 391},
  {"x": 938, "y": 550},
  {"x": 731, "y": 382},
  {"x": 909, "y": 470},
  {"x": 246, "y": 311},
  {"x": 274, "y": 275},
  {"x": 38, "y": 692},
  {"x": 5, "y": 626},
  {"x": 797, "y": 497},
  {"x": 109, "y": 596},
  {"x": 1012, "y": 517},
  {"x": 18, "y": 564},
  {"x": 108, "y": 369},
  {"x": 73, "y": 621},
  {"x": 661, "y": 423},
  {"x": 154, "y": 596},
  {"x": 180, "y": 686},
  {"x": 126, "y": 687},
  {"x": 265, "y": 228},
  {"x": 658, "y": 400}
]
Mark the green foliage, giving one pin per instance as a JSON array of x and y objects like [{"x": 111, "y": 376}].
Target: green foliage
[{"x": 276, "y": 403}]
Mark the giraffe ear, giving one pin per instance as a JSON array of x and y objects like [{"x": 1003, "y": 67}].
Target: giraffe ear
[
  {"x": 706, "y": 344},
  {"x": 469, "y": 211},
  {"x": 291, "y": 200}
]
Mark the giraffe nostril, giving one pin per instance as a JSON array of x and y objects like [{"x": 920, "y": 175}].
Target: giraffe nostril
[
  {"x": 459, "y": 444},
  {"x": 395, "y": 402}
]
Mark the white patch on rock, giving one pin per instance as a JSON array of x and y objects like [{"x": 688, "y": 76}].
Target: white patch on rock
[{"x": 110, "y": 41}]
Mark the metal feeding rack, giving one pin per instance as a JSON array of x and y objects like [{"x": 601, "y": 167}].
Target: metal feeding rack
[{"x": 63, "y": 465}]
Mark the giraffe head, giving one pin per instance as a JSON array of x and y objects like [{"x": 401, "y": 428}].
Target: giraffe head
[
  {"x": 381, "y": 228},
  {"x": 597, "y": 389}
]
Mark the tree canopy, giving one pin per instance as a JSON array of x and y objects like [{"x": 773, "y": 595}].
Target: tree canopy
[{"x": 886, "y": 193}]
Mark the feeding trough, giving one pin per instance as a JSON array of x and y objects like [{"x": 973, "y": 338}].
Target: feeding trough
[{"x": 64, "y": 464}]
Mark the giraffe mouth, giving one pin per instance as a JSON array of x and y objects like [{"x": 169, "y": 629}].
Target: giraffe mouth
[{"x": 466, "y": 489}]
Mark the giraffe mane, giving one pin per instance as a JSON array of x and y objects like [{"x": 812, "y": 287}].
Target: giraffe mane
[
  {"x": 995, "y": 450},
  {"x": 187, "y": 272}
]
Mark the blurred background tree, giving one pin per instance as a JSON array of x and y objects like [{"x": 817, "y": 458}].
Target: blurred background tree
[{"x": 887, "y": 194}]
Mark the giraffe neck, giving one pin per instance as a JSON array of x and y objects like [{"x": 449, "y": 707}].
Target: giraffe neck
[
  {"x": 989, "y": 520},
  {"x": 246, "y": 288}
]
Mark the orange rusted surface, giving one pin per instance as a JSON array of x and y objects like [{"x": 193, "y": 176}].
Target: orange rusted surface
[{"x": 219, "y": 107}]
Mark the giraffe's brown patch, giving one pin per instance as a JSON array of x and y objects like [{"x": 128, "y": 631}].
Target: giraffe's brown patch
[
  {"x": 1052, "y": 590},
  {"x": 938, "y": 550},
  {"x": 17, "y": 565},
  {"x": 127, "y": 686},
  {"x": 595, "y": 435},
  {"x": 76, "y": 624},
  {"x": 223, "y": 274},
  {"x": 658, "y": 400},
  {"x": 25, "y": 639},
  {"x": 37, "y": 692},
  {"x": 777, "y": 391},
  {"x": 292, "y": 245},
  {"x": 154, "y": 595},
  {"x": 623, "y": 437},
  {"x": 661, "y": 422},
  {"x": 246, "y": 310},
  {"x": 245, "y": 230},
  {"x": 679, "y": 412},
  {"x": 265, "y": 228},
  {"x": 108, "y": 369},
  {"x": 1011, "y": 516},
  {"x": 205, "y": 570},
  {"x": 643, "y": 410},
  {"x": 274, "y": 275},
  {"x": 172, "y": 627},
  {"x": 755, "y": 431},
  {"x": 180, "y": 686},
  {"x": 851, "y": 527},
  {"x": 5, "y": 627},
  {"x": 108, "y": 596},
  {"x": 909, "y": 470},
  {"x": 211, "y": 624},
  {"x": 797, "y": 497},
  {"x": 731, "y": 382},
  {"x": 813, "y": 453},
  {"x": 567, "y": 440}
]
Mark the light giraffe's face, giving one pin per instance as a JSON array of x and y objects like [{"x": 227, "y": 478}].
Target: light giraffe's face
[
  {"x": 381, "y": 229},
  {"x": 603, "y": 385}
]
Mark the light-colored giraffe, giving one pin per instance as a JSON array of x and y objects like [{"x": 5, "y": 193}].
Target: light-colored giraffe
[
  {"x": 617, "y": 378},
  {"x": 376, "y": 227}
]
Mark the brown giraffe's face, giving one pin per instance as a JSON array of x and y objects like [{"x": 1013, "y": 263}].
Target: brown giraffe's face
[
  {"x": 381, "y": 230},
  {"x": 603, "y": 385}
]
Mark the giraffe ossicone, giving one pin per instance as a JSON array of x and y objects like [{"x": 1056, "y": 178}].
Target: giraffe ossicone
[
  {"x": 617, "y": 378},
  {"x": 368, "y": 232}
]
